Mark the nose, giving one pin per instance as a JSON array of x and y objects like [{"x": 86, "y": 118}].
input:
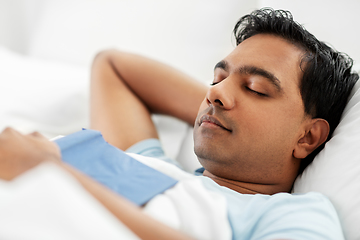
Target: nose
[{"x": 220, "y": 95}]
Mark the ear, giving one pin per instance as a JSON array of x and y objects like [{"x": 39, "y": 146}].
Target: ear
[{"x": 316, "y": 133}]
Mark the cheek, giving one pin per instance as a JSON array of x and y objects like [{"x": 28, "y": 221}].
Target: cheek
[
  {"x": 275, "y": 126},
  {"x": 289, "y": 126}
]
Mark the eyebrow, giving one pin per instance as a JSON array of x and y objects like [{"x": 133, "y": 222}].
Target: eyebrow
[{"x": 253, "y": 70}]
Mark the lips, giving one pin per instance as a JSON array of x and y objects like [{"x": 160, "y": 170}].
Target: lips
[{"x": 213, "y": 120}]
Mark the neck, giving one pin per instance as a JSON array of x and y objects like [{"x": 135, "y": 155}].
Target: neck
[{"x": 245, "y": 187}]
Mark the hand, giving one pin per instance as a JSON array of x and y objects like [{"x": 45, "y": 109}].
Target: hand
[{"x": 19, "y": 153}]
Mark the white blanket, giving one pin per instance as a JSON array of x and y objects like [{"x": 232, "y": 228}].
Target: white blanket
[{"x": 48, "y": 203}]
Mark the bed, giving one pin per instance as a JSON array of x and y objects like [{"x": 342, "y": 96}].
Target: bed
[{"x": 46, "y": 52}]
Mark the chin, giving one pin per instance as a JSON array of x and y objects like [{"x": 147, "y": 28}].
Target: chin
[
  {"x": 211, "y": 161},
  {"x": 204, "y": 152}
]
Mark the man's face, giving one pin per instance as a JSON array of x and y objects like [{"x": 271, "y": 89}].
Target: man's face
[{"x": 252, "y": 116}]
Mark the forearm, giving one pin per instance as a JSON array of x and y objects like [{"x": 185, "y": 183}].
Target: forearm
[
  {"x": 160, "y": 87},
  {"x": 130, "y": 215}
]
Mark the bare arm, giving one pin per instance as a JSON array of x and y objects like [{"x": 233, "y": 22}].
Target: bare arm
[
  {"x": 19, "y": 153},
  {"x": 126, "y": 88},
  {"x": 160, "y": 87}
]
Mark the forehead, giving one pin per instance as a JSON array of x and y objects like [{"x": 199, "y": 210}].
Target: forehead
[{"x": 270, "y": 53}]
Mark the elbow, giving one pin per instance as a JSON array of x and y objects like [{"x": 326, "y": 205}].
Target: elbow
[{"x": 104, "y": 55}]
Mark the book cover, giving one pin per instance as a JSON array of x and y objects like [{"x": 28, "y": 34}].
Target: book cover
[{"x": 87, "y": 151}]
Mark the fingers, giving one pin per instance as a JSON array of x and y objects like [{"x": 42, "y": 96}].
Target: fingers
[
  {"x": 9, "y": 133},
  {"x": 12, "y": 131},
  {"x": 37, "y": 135},
  {"x": 19, "y": 152},
  {"x": 9, "y": 130}
]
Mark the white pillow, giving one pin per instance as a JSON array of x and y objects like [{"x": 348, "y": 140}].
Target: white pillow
[
  {"x": 192, "y": 35},
  {"x": 53, "y": 99},
  {"x": 335, "y": 171},
  {"x": 43, "y": 96}
]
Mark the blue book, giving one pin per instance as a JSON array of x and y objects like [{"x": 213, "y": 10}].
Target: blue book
[{"x": 87, "y": 151}]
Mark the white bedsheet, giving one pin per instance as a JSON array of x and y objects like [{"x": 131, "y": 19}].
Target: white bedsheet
[{"x": 47, "y": 203}]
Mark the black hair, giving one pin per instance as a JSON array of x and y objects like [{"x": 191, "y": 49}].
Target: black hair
[{"x": 327, "y": 78}]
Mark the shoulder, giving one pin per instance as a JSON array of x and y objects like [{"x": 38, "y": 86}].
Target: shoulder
[
  {"x": 309, "y": 215},
  {"x": 280, "y": 216}
]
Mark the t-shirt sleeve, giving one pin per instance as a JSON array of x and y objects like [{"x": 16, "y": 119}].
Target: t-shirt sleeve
[{"x": 308, "y": 216}]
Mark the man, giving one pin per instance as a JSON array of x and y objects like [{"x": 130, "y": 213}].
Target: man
[{"x": 273, "y": 102}]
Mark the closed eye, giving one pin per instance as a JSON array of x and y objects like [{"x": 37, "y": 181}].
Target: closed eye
[{"x": 256, "y": 92}]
